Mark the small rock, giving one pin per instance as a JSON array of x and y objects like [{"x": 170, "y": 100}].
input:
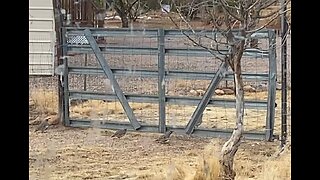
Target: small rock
[
  {"x": 143, "y": 168},
  {"x": 54, "y": 119},
  {"x": 219, "y": 92},
  {"x": 194, "y": 92},
  {"x": 249, "y": 88},
  {"x": 228, "y": 91},
  {"x": 200, "y": 92}
]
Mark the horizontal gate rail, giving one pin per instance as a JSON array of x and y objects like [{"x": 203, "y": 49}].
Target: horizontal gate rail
[
  {"x": 212, "y": 132},
  {"x": 174, "y": 74},
  {"x": 191, "y": 52},
  {"x": 217, "y": 102}
]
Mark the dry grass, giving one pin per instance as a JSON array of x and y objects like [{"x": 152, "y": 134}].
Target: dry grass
[
  {"x": 277, "y": 169},
  {"x": 209, "y": 169},
  {"x": 44, "y": 101},
  {"x": 176, "y": 172},
  {"x": 207, "y": 165},
  {"x": 251, "y": 162},
  {"x": 177, "y": 115}
]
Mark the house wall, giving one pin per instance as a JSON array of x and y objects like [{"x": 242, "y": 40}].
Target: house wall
[{"x": 41, "y": 37}]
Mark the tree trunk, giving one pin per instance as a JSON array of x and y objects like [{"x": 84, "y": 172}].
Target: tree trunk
[
  {"x": 230, "y": 148},
  {"x": 124, "y": 20},
  {"x": 122, "y": 9}
]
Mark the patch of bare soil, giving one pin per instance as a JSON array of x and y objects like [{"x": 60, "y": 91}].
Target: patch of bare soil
[{"x": 74, "y": 153}]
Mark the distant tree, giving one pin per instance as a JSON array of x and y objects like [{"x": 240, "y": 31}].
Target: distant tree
[{"x": 129, "y": 10}]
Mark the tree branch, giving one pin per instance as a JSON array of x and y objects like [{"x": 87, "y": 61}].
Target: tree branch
[
  {"x": 252, "y": 6},
  {"x": 225, "y": 6},
  {"x": 274, "y": 12},
  {"x": 130, "y": 7},
  {"x": 266, "y": 4},
  {"x": 265, "y": 25}
]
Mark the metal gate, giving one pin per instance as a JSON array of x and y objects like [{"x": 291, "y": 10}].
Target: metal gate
[{"x": 157, "y": 61}]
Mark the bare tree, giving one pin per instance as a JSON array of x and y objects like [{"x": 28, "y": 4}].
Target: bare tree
[
  {"x": 129, "y": 10},
  {"x": 226, "y": 15},
  {"x": 190, "y": 8}
]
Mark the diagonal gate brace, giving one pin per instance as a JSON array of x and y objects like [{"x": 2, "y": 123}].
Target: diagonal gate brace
[
  {"x": 206, "y": 97},
  {"x": 106, "y": 69}
]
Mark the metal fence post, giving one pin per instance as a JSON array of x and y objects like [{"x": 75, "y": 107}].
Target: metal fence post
[
  {"x": 58, "y": 26},
  {"x": 65, "y": 78},
  {"x": 284, "y": 31},
  {"x": 271, "y": 86},
  {"x": 161, "y": 81}
]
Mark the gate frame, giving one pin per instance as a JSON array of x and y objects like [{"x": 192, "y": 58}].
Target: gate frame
[{"x": 162, "y": 74}]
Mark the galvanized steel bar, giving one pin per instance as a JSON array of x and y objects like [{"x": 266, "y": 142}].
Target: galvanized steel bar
[
  {"x": 161, "y": 82},
  {"x": 65, "y": 79},
  {"x": 106, "y": 68},
  {"x": 120, "y": 32},
  {"x": 209, "y": 33},
  {"x": 198, "y": 52},
  {"x": 114, "y": 50},
  {"x": 60, "y": 36},
  {"x": 207, "y": 132},
  {"x": 85, "y": 75},
  {"x": 171, "y": 74},
  {"x": 206, "y": 97},
  {"x": 284, "y": 31},
  {"x": 183, "y": 51},
  {"x": 271, "y": 86},
  {"x": 114, "y": 32},
  {"x": 216, "y": 102}
]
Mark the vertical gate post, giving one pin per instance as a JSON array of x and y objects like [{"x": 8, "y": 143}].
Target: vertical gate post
[
  {"x": 59, "y": 37},
  {"x": 65, "y": 78},
  {"x": 161, "y": 81},
  {"x": 271, "y": 86},
  {"x": 284, "y": 31}
]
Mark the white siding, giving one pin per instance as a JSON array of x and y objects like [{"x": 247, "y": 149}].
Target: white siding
[{"x": 41, "y": 37}]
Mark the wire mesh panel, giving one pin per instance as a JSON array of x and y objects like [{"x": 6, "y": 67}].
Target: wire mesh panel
[
  {"x": 221, "y": 115},
  {"x": 130, "y": 68}
]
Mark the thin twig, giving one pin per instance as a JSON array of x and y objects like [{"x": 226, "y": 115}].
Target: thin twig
[
  {"x": 258, "y": 29},
  {"x": 255, "y": 3},
  {"x": 224, "y": 5}
]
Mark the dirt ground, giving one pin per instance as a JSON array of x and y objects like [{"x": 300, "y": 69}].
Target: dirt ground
[{"x": 74, "y": 153}]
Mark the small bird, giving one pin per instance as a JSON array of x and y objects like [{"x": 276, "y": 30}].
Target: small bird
[
  {"x": 119, "y": 133},
  {"x": 165, "y": 137},
  {"x": 43, "y": 125}
]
